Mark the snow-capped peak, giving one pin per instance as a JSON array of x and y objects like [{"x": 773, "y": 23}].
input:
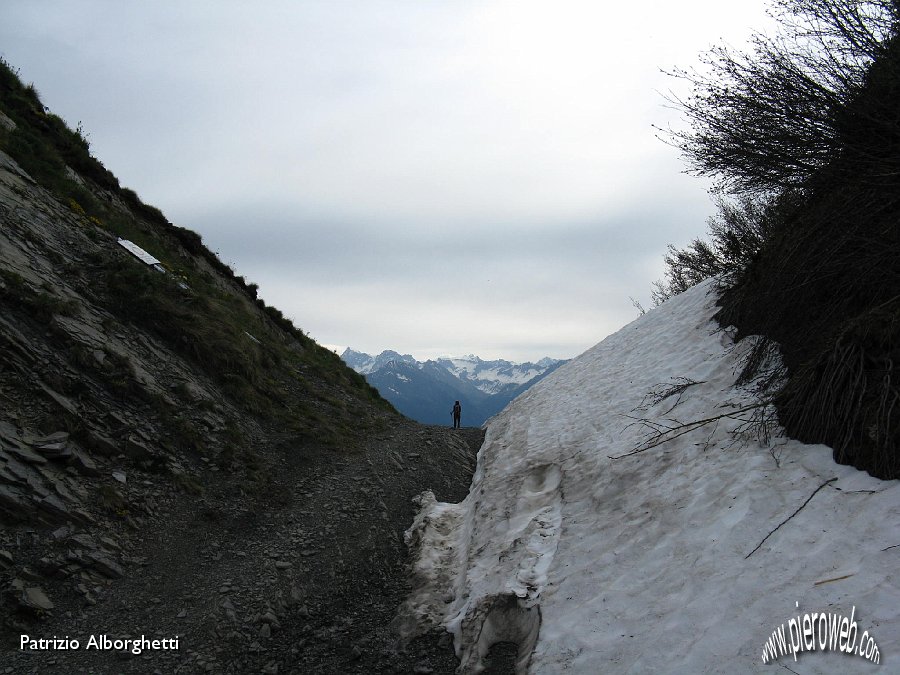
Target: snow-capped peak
[{"x": 490, "y": 377}]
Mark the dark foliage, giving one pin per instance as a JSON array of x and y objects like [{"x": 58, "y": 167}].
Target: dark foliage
[
  {"x": 735, "y": 236},
  {"x": 188, "y": 322},
  {"x": 769, "y": 120},
  {"x": 853, "y": 382},
  {"x": 31, "y": 303},
  {"x": 809, "y": 125},
  {"x": 825, "y": 287}
]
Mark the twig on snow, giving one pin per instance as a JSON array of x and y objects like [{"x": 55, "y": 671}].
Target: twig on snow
[
  {"x": 828, "y": 581},
  {"x": 663, "y": 433},
  {"x": 663, "y": 390},
  {"x": 830, "y": 480}
]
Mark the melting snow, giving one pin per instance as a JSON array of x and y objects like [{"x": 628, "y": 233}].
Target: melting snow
[{"x": 639, "y": 564}]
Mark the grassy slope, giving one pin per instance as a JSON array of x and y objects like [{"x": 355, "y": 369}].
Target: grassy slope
[{"x": 201, "y": 310}]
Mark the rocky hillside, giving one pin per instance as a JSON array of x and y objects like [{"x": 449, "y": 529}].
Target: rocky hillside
[
  {"x": 171, "y": 366},
  {"x": 153, "y": 408}
]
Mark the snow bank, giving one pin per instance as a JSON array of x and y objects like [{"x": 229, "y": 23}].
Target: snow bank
[{"x": 639, "y": 564}]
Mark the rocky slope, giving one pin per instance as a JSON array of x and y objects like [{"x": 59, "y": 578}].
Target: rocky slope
[
  {"x": 176, "y": 458},
  {"x": 308, "y": 582}
]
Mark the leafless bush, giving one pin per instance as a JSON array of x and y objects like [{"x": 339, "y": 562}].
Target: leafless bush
[{"x": 768, "y": 120}]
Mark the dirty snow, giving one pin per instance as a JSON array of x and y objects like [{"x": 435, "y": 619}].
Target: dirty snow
[{"x": 639, "y": 564}]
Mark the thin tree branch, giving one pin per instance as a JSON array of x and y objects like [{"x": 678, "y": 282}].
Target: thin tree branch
[
  {"x": 666, "y": 435},
  {"x": 830, "y": 480}
]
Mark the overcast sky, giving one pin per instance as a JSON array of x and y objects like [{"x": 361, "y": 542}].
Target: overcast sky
[{"x": 431, "y": 177}]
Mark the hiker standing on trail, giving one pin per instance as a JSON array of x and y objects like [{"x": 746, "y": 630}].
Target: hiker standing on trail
[{"x": 456, "y": 412}]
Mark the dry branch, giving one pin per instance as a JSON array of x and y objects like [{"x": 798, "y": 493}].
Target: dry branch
[
  {"x": 660, "y": 392},
  {"x": 828, "y": 581},
  {"x": 663, "y": 433},
  {"x": 830, "y": 480}
]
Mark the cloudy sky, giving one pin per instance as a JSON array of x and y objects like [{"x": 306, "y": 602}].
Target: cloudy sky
[{"x": 433, "y": 177}]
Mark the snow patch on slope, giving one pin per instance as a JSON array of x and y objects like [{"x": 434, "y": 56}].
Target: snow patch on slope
[{"x": 639, "y": 564}]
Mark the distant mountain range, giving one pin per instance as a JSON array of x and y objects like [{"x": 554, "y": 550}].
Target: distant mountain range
[{"x": 425, "y": 390}]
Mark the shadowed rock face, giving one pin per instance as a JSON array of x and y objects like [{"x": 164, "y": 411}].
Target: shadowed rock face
[
  {"x": 176, "y": 460},
  {"x": 309, "y": 581},
  {"x": 83, "y": 393}
]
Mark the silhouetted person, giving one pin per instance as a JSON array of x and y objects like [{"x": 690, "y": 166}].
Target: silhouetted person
[{"x": 457, "y": 413}]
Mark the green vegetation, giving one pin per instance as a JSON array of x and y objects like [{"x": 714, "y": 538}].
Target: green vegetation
[
  {"x": 200, "y": 309},
  {"x": 194, "y": 324},
  {"x": 32, "y": 302},
  {"x": 803, "y": 137}
]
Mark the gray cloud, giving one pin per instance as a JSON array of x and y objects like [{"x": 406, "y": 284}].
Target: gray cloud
[{"x": 429, "y": 177}]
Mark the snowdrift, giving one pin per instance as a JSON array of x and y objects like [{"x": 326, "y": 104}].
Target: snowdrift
[{"x": 596, "y": 560}]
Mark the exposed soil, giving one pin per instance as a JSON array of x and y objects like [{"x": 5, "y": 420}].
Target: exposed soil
[{"x": 302, "y": 576}]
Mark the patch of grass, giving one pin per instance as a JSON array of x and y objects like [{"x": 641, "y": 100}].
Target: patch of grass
[
  {"x": 118, "y": 373},
  {"x": 191, "y": 324},
  {"x": 849, "y": 394},
  {"x": 32, "y": 302}
]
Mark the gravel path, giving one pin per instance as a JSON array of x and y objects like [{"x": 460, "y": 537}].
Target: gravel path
[{"x": 303, "y": 576}]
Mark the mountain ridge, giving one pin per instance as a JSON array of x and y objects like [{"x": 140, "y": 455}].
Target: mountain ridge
[{"x": 426, "y": 390}]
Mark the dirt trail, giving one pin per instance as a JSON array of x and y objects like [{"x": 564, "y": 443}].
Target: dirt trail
[{"x": 304, "y": 578}]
